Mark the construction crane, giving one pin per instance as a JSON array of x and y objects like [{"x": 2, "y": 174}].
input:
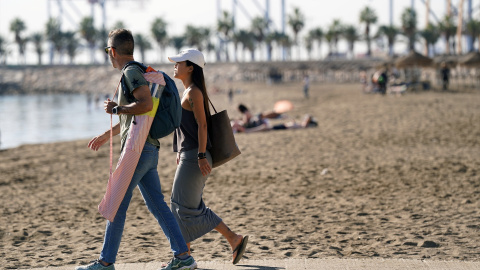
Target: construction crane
[
  {"x": 64, "y": 13},
  {"x": 72, "y": 7},
  {"x": 265, "y": 11}
]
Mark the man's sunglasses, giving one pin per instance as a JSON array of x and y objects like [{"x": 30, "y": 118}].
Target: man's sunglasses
[{"x": 106, "y": 49}]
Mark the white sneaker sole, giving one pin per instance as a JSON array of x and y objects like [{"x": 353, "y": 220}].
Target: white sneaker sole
[{"x": 190, "y": 267}]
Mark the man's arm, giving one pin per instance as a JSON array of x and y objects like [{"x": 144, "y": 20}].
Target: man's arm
[
  {"x": 100, "y": 140},
  {"x": 142, "y": 104}
]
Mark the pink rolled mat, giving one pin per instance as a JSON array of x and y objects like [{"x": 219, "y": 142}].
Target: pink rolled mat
[{"x": 137, "y": 135}]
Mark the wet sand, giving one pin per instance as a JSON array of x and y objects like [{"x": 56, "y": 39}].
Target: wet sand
[{"x": 383, "y": 177}]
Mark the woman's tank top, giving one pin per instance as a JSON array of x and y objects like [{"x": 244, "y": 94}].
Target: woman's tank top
[{"x": 186, "y": 136}]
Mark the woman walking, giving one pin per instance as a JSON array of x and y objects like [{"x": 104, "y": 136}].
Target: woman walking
[{"x": 191, "y": 143}]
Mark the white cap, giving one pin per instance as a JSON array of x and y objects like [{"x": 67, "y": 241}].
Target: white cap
[{"x": 192, "y": 55}]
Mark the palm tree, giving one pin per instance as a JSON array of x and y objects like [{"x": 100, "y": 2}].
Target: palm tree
[
  {"x": 225, "y": 25},
  {"x": 473, "y": 29},
  {"x": 205, "y": 34},
  {"x": 431, "y": 34},
  {"x": 409, "y": 26},
  {"x": 54, "y": 35},
  {"x": 270, "y": 39},
  {"x": 197, "y": 36},
  {"x": 192, "y": 36},
  {"x": 390, "y": 32},
  {"x": 236, "y": 38},
  {"x": 89, "y": 33},
  {"x": 3, "y": 50},
  {"x": 258, "y": 29},
  {"x": 368, "y": 16},
  {"x": 317, "y": 35},
  {"x": 297, "y": 22},
  {"x": 177, "y": 42},
  {"x": 102, "y": 38},
  {"x": 71, "y": 45},
  {"x": 143, "y": 44},
  {"x": 329, "y": 38},
  {"x": 37, "y": 40},
  {"x": 17, "y": 26},
  {"x": 210, "y": 47},
  {"x": 286, "y": 43},
  {"x": 448, "y": 28},
  {"x": 309, "y": 45},
  {"x": 159, "y": 32},
  {"x": 335, "y": 30},
  {"x": 247, "y": 39},
  {"x": 119, "y": 25},
  {"x": 350, "y": 34}
]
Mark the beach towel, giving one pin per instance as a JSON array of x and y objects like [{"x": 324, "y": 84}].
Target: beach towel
[{"x": 120, "y": 179}]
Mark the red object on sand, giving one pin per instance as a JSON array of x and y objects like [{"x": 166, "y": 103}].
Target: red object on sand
[{"x": 283, "y": 106}]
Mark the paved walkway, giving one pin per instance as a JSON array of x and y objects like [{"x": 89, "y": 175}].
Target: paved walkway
[{"x": 310, "y": 264}]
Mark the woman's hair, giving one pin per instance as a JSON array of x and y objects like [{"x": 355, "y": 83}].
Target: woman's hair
[
  {"x": 199, "y": 80},
  {"x": 242, "y": 108}
]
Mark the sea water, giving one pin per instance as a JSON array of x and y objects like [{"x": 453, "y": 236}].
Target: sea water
[{"x": 28, "y": 119}]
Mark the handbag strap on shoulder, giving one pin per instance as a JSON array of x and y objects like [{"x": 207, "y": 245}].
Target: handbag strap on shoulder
[{"x": 212, "y": 105}]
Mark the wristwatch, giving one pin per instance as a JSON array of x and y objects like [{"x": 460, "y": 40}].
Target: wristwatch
[
  {"x": 115, "y": 110},
  {"x": 202, "y": 155}
]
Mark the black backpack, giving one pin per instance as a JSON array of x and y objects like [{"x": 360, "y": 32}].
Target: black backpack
[{"x": 169, "y": 112}]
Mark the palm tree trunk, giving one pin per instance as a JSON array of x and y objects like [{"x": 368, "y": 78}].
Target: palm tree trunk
[
  {"x": 319, "y": 50},
  {"x": 447, "y": 37},
  {"x": 269, "y": 52},
  {"x": 369, "y": 43},
  {"x": 92, "y": 53},
  {"x": 162, "y": 53},
  {"x": 227, "y": 55},
  {"x": 459, "y": 27},
  {"x": 235, "y": 52},
  {"x": 142, "y": 54},
  {"x": 427, "y": 16},
  {"x": 447, "y": 44}
]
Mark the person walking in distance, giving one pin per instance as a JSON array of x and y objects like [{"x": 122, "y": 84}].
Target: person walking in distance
[
  {"x": 120, "y": 52},
  {"x": 306, "y": 86}
]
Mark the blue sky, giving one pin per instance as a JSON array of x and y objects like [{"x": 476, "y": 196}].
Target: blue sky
[{"x": 138, "y": 15}]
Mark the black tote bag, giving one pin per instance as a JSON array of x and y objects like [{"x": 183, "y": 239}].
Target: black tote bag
[{"x": 224, "y": 148}]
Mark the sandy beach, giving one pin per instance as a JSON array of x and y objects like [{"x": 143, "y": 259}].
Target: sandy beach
[{"x": 380, "y": 177}]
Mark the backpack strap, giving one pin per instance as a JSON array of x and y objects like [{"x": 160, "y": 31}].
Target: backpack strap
[{"x": 126, "y": 92}]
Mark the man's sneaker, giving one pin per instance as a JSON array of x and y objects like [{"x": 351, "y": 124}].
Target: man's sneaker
[
  {"x": 177, "y": 264},
  {"x": 95, "y": 265}
]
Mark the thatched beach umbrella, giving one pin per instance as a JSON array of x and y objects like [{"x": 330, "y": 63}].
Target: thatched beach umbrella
[
  {"x": 413, "y": 59},
  {"x": 449, "y": 60},
  {"x": 471, "y": 59},
  {"x": 385, "y": 63}
]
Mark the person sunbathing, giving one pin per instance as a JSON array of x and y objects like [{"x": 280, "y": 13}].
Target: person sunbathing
[
  {"x": 307, "y": 121},
  {"x": 251, "y": 121}
]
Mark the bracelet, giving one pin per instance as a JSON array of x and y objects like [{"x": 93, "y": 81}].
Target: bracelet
[
  {"x": 202, "y": 158},
  {"x": 202, "y": 155}
]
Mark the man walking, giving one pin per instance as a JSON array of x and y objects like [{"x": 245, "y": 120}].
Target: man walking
[{"x": 120, "y": 52}]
